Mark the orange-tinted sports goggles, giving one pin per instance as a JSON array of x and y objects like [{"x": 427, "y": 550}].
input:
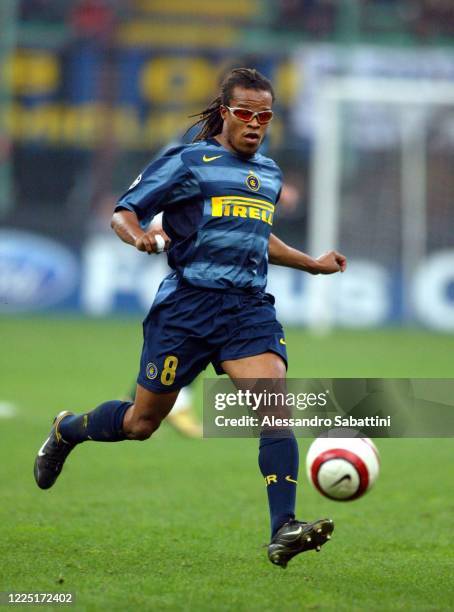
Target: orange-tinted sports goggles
[{"x": 247, "y": 115}]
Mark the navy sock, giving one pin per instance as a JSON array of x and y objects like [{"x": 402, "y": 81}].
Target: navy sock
[
  {"x": 103, "y": 424},
  {"x": 278, "y": 461}
]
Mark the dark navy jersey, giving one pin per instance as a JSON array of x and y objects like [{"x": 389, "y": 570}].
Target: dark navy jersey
[{"x": 218, "y": 211}]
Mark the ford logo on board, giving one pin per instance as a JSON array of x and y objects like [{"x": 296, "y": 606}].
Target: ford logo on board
[{"x": 35, "y": 272}]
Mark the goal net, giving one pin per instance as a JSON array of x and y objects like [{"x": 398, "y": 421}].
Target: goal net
[{"x": 383, "y": 193}]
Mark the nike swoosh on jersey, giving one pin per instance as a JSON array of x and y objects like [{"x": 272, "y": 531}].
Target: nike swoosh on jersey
[
  {"x": 209, "y": 159},
  {"x": 282, "y": 341},
  {"x": 289, "y": 479}
]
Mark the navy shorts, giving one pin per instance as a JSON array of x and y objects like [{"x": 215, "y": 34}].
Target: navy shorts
[{"x": 187, "y": 328}]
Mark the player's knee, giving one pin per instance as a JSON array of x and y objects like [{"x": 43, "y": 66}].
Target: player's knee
[{"x": 281, "y": 370}]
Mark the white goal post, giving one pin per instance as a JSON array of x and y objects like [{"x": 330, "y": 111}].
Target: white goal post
[{"x": 411, "y": 98}]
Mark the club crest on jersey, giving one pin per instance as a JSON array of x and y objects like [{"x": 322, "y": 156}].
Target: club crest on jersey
[
  {"x": 252, "y": 181},
  {"x": 152, "y": 371}
]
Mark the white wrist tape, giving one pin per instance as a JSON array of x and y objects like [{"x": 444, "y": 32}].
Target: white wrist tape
[{"x": 160, "y": 243}]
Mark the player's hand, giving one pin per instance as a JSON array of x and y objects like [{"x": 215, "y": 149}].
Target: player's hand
[
  {"x": 331, "y": 262},
  {"x": 153, "y": 241}
]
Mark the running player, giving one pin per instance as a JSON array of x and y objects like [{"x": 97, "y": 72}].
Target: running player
[
  {"x": 218, "y": 196},
  {"x": 182, "y": 417}
]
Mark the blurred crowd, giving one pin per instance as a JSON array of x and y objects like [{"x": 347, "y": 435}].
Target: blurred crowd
[
  {"x": 106, "y": 165},
  {"x": 322, "y": 18},
  {"x": 422, "y": 19},
  {"x": 84, "y": 16}
]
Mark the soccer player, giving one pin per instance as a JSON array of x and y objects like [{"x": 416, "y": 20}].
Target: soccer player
[
  {"x": 182, "y": 417},
  {"x": 218, "y": 196}
]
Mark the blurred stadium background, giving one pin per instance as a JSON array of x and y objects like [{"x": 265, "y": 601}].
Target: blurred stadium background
[
  {"x": 364, "y": 132},
  {"x": 90, "y": 90}
]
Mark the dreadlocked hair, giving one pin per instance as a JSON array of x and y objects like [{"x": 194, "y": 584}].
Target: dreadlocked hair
[{"x": 210, "y": 118}]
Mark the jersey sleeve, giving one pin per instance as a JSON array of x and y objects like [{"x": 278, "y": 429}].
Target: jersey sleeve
[{"x": 156, "y": 187}]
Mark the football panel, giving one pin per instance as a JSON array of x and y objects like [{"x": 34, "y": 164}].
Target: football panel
[
  {"x": 364, "y": 448},
  {"x": 346, "y": 456},
  {"x": 337, "y": 479}
]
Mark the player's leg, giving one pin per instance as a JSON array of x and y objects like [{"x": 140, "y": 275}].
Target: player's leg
[
  {"x": 182, "y": 417},
  {"x": 115, "y": 420},
  {"x": 278, "y": 459},
  {"x": 172, "y": 356},
  {"x": 112, "y": 421},
  {"x": 147, "y": 413},
  {"x": 278, "y": 451}
]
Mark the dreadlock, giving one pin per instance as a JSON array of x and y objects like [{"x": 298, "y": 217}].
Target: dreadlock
[{"x": 210, "y": 117}]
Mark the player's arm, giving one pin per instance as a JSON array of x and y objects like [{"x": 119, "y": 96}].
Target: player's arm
[
  {"x": 281, "y": 254},
  {"x": 149, "y": 195},
  {"x": 127, "y": 227}
]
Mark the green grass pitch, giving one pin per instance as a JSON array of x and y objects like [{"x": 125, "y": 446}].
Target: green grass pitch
[{"x": 178, "y": 524}]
